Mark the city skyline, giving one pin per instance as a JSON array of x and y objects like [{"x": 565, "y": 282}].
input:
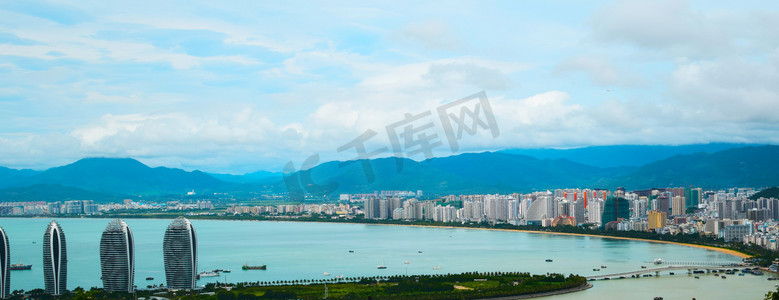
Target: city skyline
[{"x": 237, "y": 88}]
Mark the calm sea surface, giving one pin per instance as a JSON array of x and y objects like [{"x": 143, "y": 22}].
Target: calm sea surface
[{"x": 307, "y": 250}]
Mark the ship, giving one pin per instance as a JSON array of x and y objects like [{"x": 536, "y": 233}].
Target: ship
[
  {"x": 149, "y": 278},
  {"x": 20, "y": 266},
  {"x": 248, "y": 267},
  {"x": 208, "y": 274}
]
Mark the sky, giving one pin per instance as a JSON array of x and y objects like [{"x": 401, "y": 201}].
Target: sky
[{"x": 241, "y": 86}]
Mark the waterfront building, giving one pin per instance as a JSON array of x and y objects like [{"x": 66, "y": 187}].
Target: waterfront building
[
  {"x": 5, "y": 265},
  {"x": 180, "y": 253},
  {"x": 657, "y": 219},
  {"x": 55, "y": 260},
  {"x": 614, "y": 209},
  {"x": 117, "y": 257}
]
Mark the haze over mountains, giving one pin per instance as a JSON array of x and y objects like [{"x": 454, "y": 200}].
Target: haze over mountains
[{"x": 111, "y": 179}]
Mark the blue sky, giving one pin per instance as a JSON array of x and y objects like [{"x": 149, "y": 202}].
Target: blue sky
[{"x": 243, "y": 86}]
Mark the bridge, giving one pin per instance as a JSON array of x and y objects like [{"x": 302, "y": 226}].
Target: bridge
[{"x": 657, "y": 271}]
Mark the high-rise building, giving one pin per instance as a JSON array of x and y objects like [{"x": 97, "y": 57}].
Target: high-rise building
[
  {"x": 5, "y": 265},
  {"x": 615, "y": 208},
  {"x": 180, "y": 252},
  {"x": 55, "y": 260},
  {"x": 657, "y": 219},
  {"x": 678, "y": 206},
  {"x": 117, "y": 257}
]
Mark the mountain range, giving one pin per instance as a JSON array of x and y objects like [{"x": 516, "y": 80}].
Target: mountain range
[{"x": 111, "y": 179}]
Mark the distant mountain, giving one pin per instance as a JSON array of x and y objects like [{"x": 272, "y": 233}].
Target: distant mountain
[
  {"x": 486, "y": 172},
  {"x": 772, "y": 192},
  {"x": 622, "y": 155},
  {"x": 53, "y": 193},
  {"x": 254, "y": 177},
  {"x": 490, "y": 172},
  {"x": 10, "y": 177},
  {"x": 124, "y": 176},
  {"x": 742, "y": 167}
]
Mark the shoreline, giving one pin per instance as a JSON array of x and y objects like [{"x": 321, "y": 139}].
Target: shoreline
[{"x": 721, "y": 250}]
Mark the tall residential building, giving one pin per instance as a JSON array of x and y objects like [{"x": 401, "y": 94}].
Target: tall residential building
[
  {"x": 180, "y": 252},
  {"x": 657, "y": 219},
  {"x": 678, "y": 206},
  {"x": 5, "y": 264},
  {"x": 55, "y": 260},
  {"x": 117, "y": 257},
  {"x": 615, "y": 208}
]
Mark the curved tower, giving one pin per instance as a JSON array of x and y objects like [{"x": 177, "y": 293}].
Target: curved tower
[
  {"x": 55, "y": 260},
  {"x": 117, "y": 257},
  {"x": 180, "y": 251},
  {"x": 5, "y": 264}
]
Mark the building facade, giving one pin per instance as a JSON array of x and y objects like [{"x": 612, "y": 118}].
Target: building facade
[
  {"x": 55, "y": 260},
  {"x": 5, "y": 265},
  {"x": 180, "y": 252},
  {"x": 117, "y": 257}
]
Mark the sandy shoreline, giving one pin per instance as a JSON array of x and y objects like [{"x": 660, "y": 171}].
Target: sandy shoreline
[{"x": 721, "y": 250}]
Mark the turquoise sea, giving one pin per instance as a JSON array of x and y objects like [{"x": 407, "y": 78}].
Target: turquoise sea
[{"x": 294, "y": 250}]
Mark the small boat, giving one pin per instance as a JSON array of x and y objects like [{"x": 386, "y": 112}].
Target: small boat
[
  {"x": 742, "y": 274},
  {"x": 596, "y": 270},
  {"x": 548, "y": 260},
  {"x": 406, "y": 262},
  {"x": 19, "y": 266},
  {"x": 758, "y": 273},
  {"x": 657, "y": 261},
  {"x": 603, "y": 266},
  {"x": 225, "y": 271},
  {"x": 643, "y": 267},
  {"x": 248, "y": 267},
  {"x": 149, "y": 278},
  {"x": 671, "y": 273},
  {"x": 339, "y": 277},
  {"x": 697, "y": 277},
  {"x": 723, "y": 277},
  {"x": 420, "y": 251},
  {"x": 436, "y": 268},
  {"x": 715, "y": 274},
  {"x": 326, "y": 274},
  {"x": 351, "y": 251},
  {"x": 381, "y": 267}
]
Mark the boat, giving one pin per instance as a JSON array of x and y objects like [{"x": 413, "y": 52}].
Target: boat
[
  {"x": 406, "y": 262},
  {"x": 20, "y": 266},
  {"x": 436, "y": 268},
  {"x": 326, "y": 274},
  {"x": 420, "y": 251},
  {"x": 723, "y": 277},
  {"x": 596, "y": 270},
  {"x": 149, "y": 278},
  {"x": 208, "y": 274},
  {"x": 697, "y": 277},
  {"x": 225, "y": 271},
  {"x": 248, "y": 267},
  {"x": 758, "y": 273},
  {"x": 643, "y": 267},
  {"x": 351, "y": 251},
  {"x": 339, "y": 277},
  {"x": 548, "y": 260},
  {"x": 742, "y": 274},
  {"x": 381, "y": 267},
  {"x": 603, "y": 266},
  {"x": 657, "y": 261}
]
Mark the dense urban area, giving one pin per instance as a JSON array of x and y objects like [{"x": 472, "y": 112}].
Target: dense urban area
[{"x": 733, "y": 215}]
